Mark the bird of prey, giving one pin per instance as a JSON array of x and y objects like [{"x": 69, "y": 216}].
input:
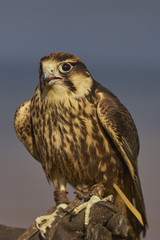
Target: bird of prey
[{"x": 82, "y": 134}]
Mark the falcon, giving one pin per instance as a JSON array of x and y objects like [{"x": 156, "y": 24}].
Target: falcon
[{"x": 82, "y": 134}]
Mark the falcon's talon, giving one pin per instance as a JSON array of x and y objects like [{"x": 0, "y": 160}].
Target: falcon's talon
[
  {"x": 94, "y": 199},
  {"x": 46, "y": 221},
  {"x": 37, "y": 224},
  {"x": 42, "y": 234},
  {"x": 109, "y": 198}
]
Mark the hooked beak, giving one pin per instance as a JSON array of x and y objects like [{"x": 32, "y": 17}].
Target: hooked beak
[{"x": 50, "y": 79}]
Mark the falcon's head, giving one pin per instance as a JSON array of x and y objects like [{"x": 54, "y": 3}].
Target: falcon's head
[{"x": 63, "y": 73}]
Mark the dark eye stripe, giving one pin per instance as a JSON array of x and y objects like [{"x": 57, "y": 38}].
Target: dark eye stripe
[{"x": 70, "y": 85}]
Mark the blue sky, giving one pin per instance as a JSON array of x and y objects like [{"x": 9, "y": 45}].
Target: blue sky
[{"x": 119, "y": 41}]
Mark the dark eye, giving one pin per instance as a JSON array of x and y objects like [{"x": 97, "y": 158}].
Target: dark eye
[{"x": 65, "y": 67}]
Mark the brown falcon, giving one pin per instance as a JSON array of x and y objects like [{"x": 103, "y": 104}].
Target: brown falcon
[{"x": 82, "y": 134}]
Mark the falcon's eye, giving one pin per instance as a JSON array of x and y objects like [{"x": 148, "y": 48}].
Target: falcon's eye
[{"x": 65, "y": 67}]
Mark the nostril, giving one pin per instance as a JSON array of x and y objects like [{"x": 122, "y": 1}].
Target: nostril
[{"x": 51, "y": 71}]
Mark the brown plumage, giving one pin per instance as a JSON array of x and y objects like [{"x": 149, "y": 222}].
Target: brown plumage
[{"x": 81, "y": 133}]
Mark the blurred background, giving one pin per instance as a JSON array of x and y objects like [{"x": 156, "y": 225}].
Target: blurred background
[{"x": 119, "y": 41}]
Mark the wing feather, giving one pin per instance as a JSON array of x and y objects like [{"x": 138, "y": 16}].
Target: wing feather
[
  {"x": 118, "y": 124},
  {"x": 23, "y": 128}
]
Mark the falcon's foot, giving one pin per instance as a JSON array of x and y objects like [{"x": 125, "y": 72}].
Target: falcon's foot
[
  {"x": 87, "y": 205},
  {"x": 46, "y": 221}
]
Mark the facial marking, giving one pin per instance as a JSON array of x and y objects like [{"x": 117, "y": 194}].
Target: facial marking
[{"x": 64, "y": 76}]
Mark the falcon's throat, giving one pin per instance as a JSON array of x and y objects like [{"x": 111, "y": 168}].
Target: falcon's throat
[{"x": 58, "y": 89}]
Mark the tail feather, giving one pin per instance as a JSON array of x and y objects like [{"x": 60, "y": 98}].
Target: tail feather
[
  {"x": 129, "y": 204},
  {"x": 137, "y": 206},
  {"x": 139, "y": 202}
]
